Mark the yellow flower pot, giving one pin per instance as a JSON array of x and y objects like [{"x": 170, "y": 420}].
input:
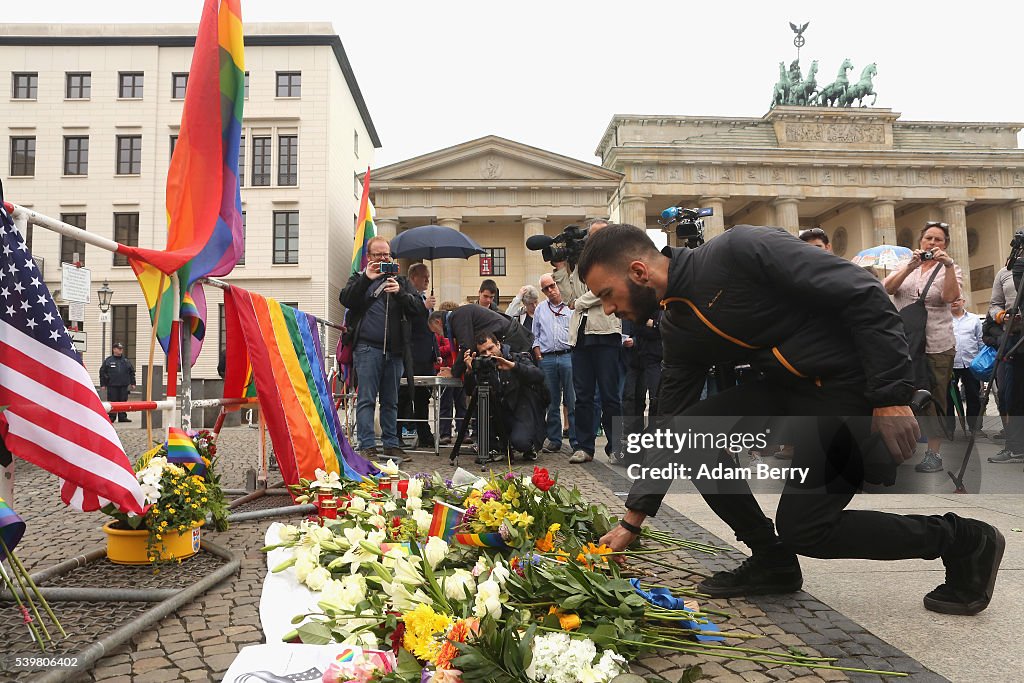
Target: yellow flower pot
[{"x": 131, "y": 546}]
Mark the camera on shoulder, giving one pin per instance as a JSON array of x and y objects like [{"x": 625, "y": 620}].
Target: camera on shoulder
[{"x": 565, "y": 246}]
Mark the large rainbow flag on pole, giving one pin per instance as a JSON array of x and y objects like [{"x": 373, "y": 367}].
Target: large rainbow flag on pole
[
  {"x": 280, "y": 346},
  {"x": 204, "y": 206},
  {"x": 365, "y": 230}
]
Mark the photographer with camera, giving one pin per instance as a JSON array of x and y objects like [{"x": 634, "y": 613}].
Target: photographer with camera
[
  {"x": 380, "y": 305},
  {"x": 912, "y": 282},
  {"x": 596, "y": 340},
  {"x": 468, "y": 321},
  {"x": 519, "y": 399},
  {"x": 821, "y": 340}
]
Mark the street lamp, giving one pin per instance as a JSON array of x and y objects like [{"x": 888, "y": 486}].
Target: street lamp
[{"x": 105, "y": 294}]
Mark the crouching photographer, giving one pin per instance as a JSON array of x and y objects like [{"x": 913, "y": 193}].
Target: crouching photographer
[{"x": 519, "y": 396}]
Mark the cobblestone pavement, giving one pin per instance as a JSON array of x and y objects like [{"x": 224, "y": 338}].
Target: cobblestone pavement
[{"x": 199, "y": 641}]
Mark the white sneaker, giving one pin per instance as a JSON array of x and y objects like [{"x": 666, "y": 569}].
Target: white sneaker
[{"x": 580, "y": 457}]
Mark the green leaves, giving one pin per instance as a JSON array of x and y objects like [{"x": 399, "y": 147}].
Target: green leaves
[{"x": 315, "y": 633}]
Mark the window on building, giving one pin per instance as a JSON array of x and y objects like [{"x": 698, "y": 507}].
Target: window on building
[
  {"x": 64, "y": 311},
  {"x": 129, "y": 85},
  {"x": 289, "y": 83},
  {"x": 23, "y": 156},
  {"x": 123, "y": 328},
  {"x": 129, "y": 154},
  {"x": 26, "y": 85},
  {"x": 355, "y": 142},
  {"x": 293, "y": 304},
  {"x": 357, "y": 187},
  {"x": 126, "y": 231},
  {"x": 246, "y": 86},
  {"x": 77, "y": 86},
  {"x": 70, "y": 246},
  {"x": 174, "y": 143},
  {"x": 179, "y": 82},
  {"x": 286, "y": 237},
  {"x": 261, "y": 152},
  {"x": 287, "y": 159},
  {"x": 76, "y": 155},
  {"x": 241, "y": 161},
  {"x": 222, "y": 334},
  {"x": 497, "y": 255}
]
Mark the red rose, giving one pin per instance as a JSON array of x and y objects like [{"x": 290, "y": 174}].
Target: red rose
[
  {"x": 396, "y": 522},
  {"x": 541, "y": 479}
]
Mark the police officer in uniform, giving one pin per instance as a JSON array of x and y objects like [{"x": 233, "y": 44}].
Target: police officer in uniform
[{"x": 118, "y": 376}]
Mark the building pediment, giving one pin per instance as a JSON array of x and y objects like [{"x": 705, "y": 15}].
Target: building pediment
[{"x": 492, "y": 160}]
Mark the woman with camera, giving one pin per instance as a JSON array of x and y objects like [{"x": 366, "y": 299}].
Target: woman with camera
[{"x": 939, "y": 289}]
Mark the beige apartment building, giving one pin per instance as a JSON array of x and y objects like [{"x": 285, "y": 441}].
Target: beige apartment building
[{"x": 91, "y": 115}]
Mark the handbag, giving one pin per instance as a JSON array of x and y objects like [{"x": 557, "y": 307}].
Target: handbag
[
  {"x": 984, "y": 364},
  {"x": 915, "y": 320}
]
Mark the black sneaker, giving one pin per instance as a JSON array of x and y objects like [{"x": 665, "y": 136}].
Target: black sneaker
[
  {"x": 970, "y": 579},
  {"x": 394, "y": 452},
  {"x": 757, "y": 575},
  {"x": 530, "y": 456}
]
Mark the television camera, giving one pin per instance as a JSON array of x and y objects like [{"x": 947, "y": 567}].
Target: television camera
[
  {"x": 689, "y": 223},
  {"x": 565, "y": 246}
]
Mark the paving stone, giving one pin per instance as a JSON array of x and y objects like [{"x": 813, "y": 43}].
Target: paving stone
[
  {"x": 117, "y": 679},
  {"x": 741, "y": 665},
  {"x": 112, "y": 671},
  {"x": 150, "y": 663},
  {"x": 755, "y": 677},
  {"x": 158, "y": 676},
  {"x": 177, "y": 646},
  {"x": 220, "y": 649},
  {"x": 148, "y": 652},
  {"x": 780, "y": 674},
  {"x": 220, "y": 663},
  {"x": 196, "y": 675},
  {"x": 233, "y": 630}
]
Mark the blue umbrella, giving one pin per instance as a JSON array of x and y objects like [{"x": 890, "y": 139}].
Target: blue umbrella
[{"x": 433, "y": 241}]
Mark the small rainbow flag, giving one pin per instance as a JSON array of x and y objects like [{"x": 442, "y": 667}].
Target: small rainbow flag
[
  {"x": 181, "y": 450},
  {"x": 365, "y": 230},
  {"x": 12, "y": 528},
  {"x": 488, "y": 540},
  {"x": 446, "y": 518}
]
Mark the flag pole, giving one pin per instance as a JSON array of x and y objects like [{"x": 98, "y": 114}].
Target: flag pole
[{"x": 149, "y": 368}]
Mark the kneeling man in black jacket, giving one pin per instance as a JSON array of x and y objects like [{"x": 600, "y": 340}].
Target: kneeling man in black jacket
[
  {"x": 820, "y": 340},
  {"x": 519, "y": 390}
]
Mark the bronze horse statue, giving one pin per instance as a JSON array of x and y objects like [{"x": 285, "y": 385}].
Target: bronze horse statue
[
  {"x": 862, "y": 88},
  {"x": 803, "y": 93},
  {"x": 832, "y": 94},
  {"x": 781, "y": 93}
]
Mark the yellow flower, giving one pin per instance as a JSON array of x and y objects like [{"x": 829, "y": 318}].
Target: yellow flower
[
  {"x": 181, "y": 527},
  {"x": 159, "y": 537},
  {"x": 422, "y": 625},
  {"x": 511, "y": 495},
  {"x": 170, "y": 510},
  {"x": 569, "y": 621},
  {"x": 203, "y": 499},
  {"x": 194, "y": 506}
]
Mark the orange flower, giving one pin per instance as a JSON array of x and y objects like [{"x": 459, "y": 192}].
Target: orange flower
[
  {"x": 593, "y": 552},
  {"x": 545, "y": 544},
  {"x": 458, "y": 633},
  {"x": 569, "y": 621}
]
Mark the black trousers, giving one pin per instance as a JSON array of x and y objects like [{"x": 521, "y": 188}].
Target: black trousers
[
  {"x": 811, "y": 519},
  {"x": 415, "y": 404},
  {"x": 970, "y": 391},
  {"x": 119, "y": 393}
]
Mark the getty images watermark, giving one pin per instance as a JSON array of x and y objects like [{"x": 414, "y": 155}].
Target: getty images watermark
[{"x": 678, "y": 443}]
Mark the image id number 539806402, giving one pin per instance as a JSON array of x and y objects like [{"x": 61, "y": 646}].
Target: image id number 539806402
[{"x": 9, "y": 662}]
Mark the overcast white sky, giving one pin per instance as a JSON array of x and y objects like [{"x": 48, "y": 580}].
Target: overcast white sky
[{"x": 551, "y": 74}]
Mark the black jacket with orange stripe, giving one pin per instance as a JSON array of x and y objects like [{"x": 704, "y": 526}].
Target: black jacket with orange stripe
[{"x": 761, "y": 296}]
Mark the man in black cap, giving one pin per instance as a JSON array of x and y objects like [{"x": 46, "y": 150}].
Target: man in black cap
[{"x": 118, "y": 376}]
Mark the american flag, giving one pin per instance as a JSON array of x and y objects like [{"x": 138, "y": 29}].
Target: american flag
[{"x": 53, "y": 416}]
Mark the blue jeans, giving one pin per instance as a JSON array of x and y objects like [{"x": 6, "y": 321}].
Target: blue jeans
[
  {"x": 593, "y": 366},
  {"x": 377, "y": 377},
  {"x": 558, "y": 377}
]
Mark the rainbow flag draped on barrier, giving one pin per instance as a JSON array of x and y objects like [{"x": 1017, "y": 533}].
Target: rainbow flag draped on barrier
[
  {"x": 12, "y": 528},
  {"x": 365, "y": 230},
  {"x": 280, "y": 347},
  {"x": 204, "y": 206},
  {"x": 181, "y": 450}
]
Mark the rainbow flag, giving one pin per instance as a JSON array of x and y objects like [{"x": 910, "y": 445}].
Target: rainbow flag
[
  {"x": 12, "y": 528},
  {"x": 181, "y": 450},
  {"x": 488, "y": 540},
  {"x": 204, "y": 206},
  {"x": 445, "y": 520},
  {"x": 280, "y": 347},
  {"x": 365, "y": 230}
]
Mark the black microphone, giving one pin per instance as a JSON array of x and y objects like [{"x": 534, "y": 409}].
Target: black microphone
[{"x": 538, "y": 242}]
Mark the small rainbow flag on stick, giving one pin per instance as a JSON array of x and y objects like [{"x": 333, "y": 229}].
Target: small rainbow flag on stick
[
  {"x": 12, "y": 528},
  {"x": 446, "y": 518},
  {"x": 181, "y": 450}
]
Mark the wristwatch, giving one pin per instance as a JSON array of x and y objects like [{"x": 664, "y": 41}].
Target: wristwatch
[{"x": 631, "y": 528}]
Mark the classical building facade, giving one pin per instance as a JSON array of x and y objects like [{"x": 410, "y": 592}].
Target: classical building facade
[
  {"x": 499, "y": 193},
  {"x": 861, "y": 174},
  {"x": 91, "y": 117}
]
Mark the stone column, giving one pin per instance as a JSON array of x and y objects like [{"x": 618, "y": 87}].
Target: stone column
[
  {"x": 714, "y": 225},
  {"x": 786, "y": 214},
  {"x": 1017, "y": 215},
  {"x": 386, "y": 227},
  {"x": 535, "y": 265},
  {"x": 446, "y": 274},
  {"x": 883, "y": 214},
  {"x": 633, "y": 210},
  {"x": 955, "y": 215}
]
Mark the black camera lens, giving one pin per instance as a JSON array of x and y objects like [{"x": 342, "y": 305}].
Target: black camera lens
[{"x": 927, "y": 255}]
